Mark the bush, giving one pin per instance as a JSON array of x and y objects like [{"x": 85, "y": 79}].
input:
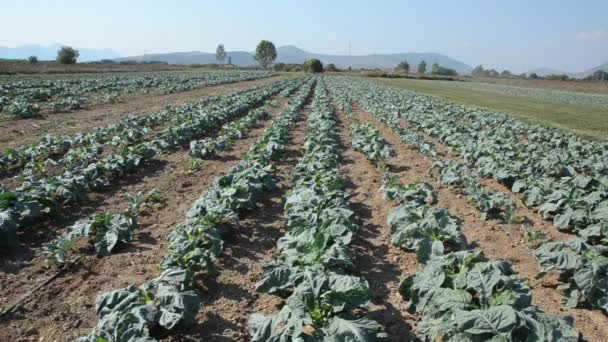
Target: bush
[
  {"x": 279, "y": 67},
  {"x": 313, "y": 65},
  {"x": 33, "y": 59},
  {"x": 557, "y": 77},
  {"x": 443, "y": 71},
  {"x": 67, "y": 55}
]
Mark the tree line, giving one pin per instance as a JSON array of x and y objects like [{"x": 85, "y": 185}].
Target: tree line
[{"x": 436, "y": 69}]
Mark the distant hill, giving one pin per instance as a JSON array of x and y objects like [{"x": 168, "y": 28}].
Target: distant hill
[
  {"x": 50, "y": 52},
  {"x": 592, "y": 70},
  {"x": 548, "y": 71},
  {"x": 293, "y": 54},
  {"x": 542, "y": 72}
]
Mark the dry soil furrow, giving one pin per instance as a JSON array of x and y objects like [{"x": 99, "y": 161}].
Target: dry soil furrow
[
  {"x": 14, "y": 133},
  {"x": 65, "y": 309},
  {"x": 381, "y": 263},
  {"x": 498, "y": 241}
]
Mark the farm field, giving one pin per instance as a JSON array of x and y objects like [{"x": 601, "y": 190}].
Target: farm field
[
  {"x": 581, "y": 112},
  {"x": 256, "y": 207}
]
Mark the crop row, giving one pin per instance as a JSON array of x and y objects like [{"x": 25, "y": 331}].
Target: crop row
[
  {"x": 137, "y": 312},
  {"x": 26, "y": 96},
  {"x": 492, "y": 205},
  {"x": 563, "y": 177},
  {"x": 460, "y": 294},
  {"x": 38, "y": 197},
  {"x": 314, "y": 270},
  {"x": 51, "y": 150}
]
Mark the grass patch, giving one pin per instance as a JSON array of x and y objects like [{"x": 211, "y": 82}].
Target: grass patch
[{"x": 585, "y": 121}]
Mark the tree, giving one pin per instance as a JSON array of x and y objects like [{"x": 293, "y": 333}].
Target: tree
[
  {"x": 265, "y": 53},
  {"x": 67, "y": 55},
  {"x": 599, "y": 75},
  {"x": 422, "y": 67},
  {"x": 229, "y": 60},
  {"x": 533, "y": 76},
  {"x": 479, "y": 71},
  {"x": 331, "y": 67},
  {"x": 33, "y": 59},
  {"x": 404, "y": 66},
  {"x": 492, "y": 73},
  {"x": 505, "y": 73},
  {"x": 313, "y": 65},
  {"x": 220, "y": 53}
]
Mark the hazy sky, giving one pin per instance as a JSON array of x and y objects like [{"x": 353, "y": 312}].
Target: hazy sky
[{"x": 516, "y": 34}]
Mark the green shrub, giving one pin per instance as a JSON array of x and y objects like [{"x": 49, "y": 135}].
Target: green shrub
[
  {"x": 443, "y": 71},
  {"x": 67, "y": 55},
  {"x": 313, "y": 65}
]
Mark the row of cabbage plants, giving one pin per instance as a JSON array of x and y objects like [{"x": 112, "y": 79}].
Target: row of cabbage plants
[
  {"x": 491, "y": 205},
  {"x": 460, "y": 294},
  {"x": 314, "y": 271},
  {"x": 38, "y": 197},
  {"x": 25, "y": 97},
  {"x": 209, "y": 147},
  {"x": 561, "y": 176},
  {"x": 107, "y": 230},
  {"x": 53, "y": 150},
  {"x": 139, "y": 313}
]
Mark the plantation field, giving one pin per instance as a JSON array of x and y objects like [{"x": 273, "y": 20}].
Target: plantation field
[
  {"x": 581, "y": 112},
  {"x": 258, "y": 207}
]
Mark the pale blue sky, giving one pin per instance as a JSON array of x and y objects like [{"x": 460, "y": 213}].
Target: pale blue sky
[{"x": 518, "y": 35}]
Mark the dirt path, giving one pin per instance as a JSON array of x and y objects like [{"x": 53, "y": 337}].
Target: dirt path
[
  {"x": 65, "y": 309},
  {"x": 497, "y": 240},
  {"x": 14, "y": 133},
  {"x": 382, "y": 264},
  {"x": 230, "y": 297}
]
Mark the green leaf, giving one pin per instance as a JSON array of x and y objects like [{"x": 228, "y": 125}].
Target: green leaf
[{"x": 346, "y": 330}]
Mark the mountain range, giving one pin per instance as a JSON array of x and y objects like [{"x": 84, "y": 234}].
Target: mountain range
[
  {"x": 285, "y": 54},
  {"x": 293, "y": 54},
  {"x": 49, "y": 52}
]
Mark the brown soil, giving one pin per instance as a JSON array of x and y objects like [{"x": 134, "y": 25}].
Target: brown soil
[
  {"x": 378, "y": 261},
  {"x": 497, "y": 240},
  {"x": 14, "y": 133},
  {"x": 64, "y": 309},
  {"x": 230, "y": 297}
]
